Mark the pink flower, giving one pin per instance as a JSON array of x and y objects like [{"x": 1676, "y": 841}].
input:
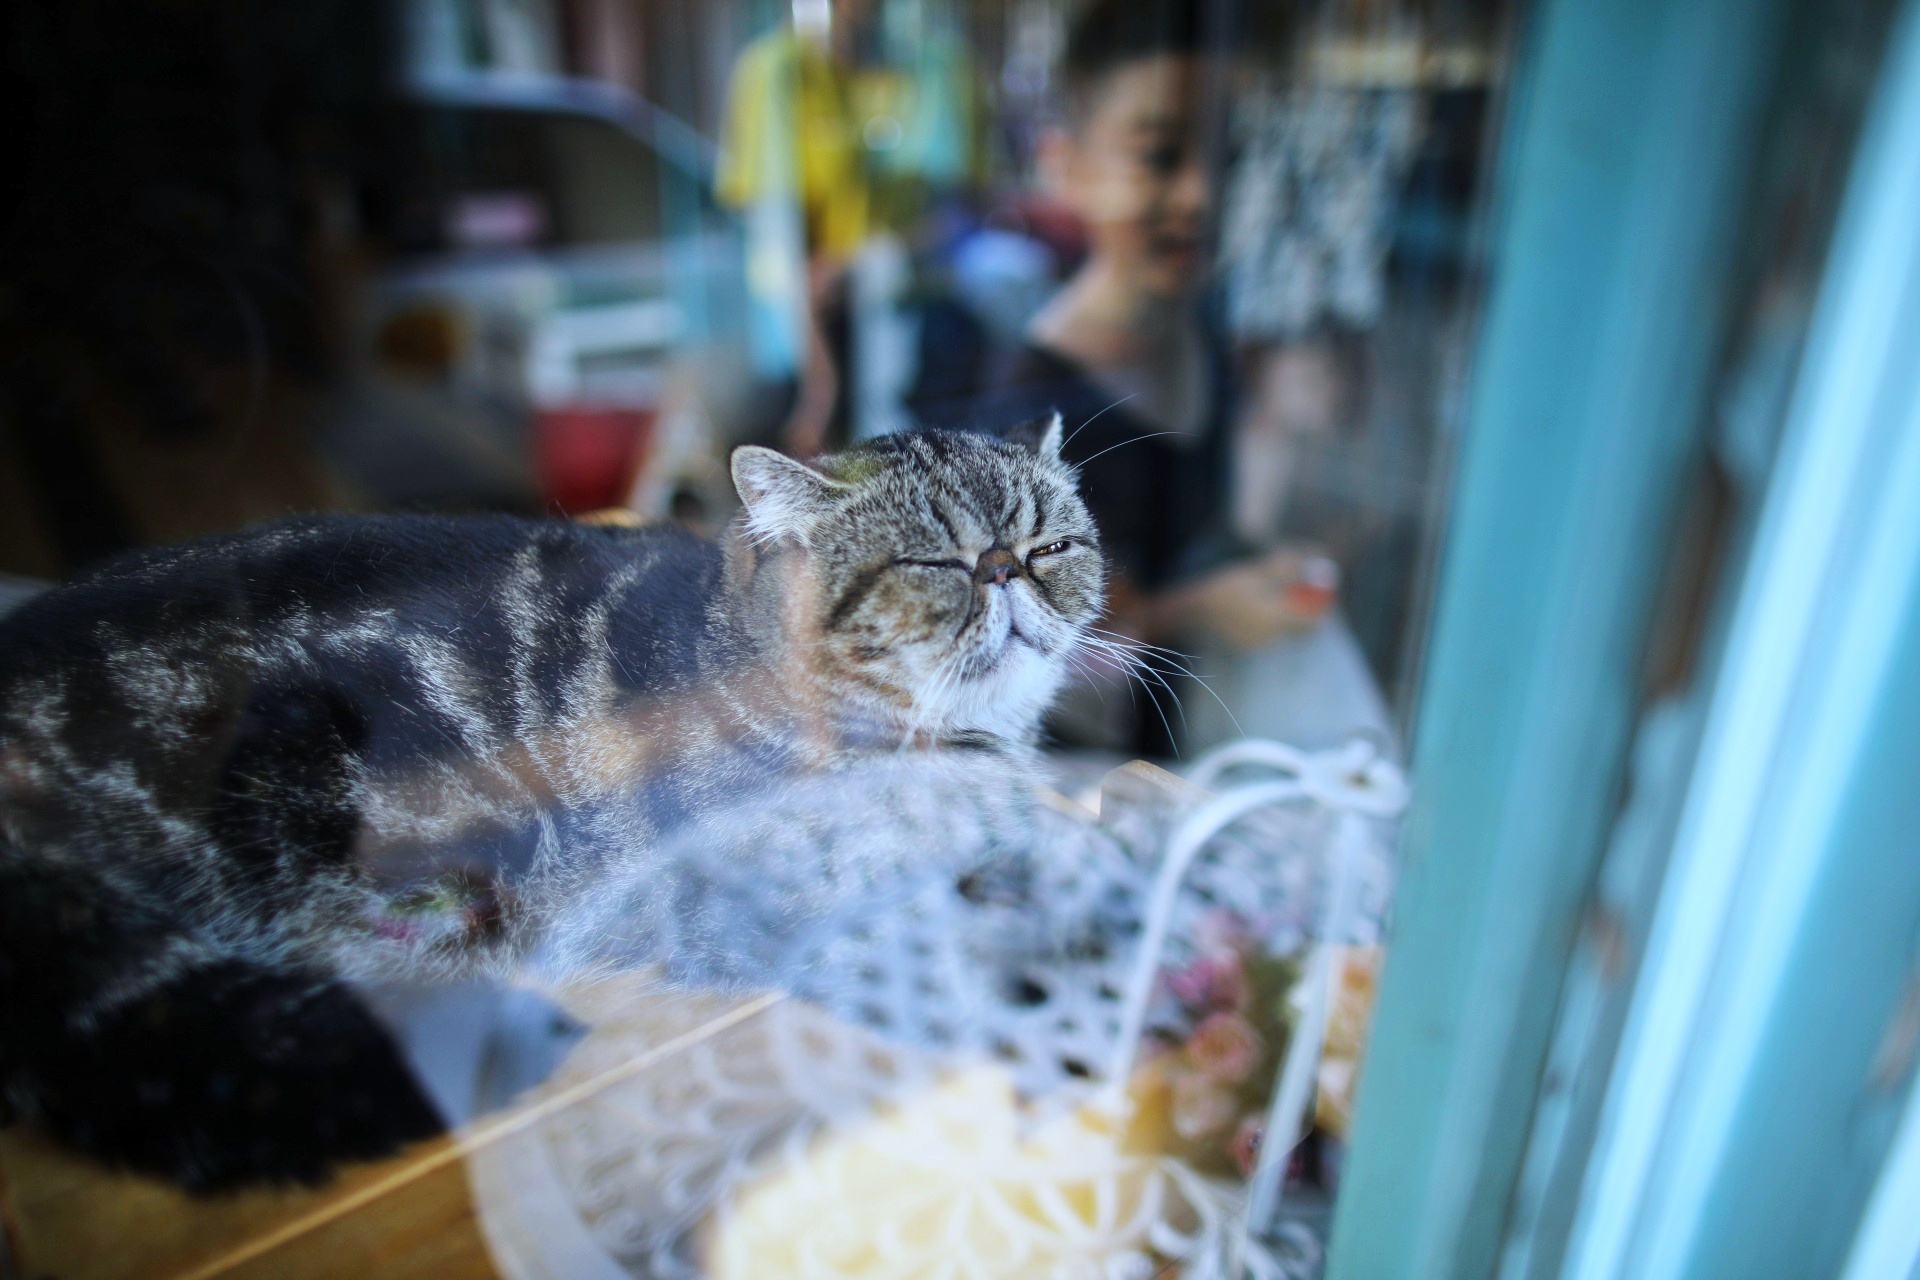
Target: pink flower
[
  {"x": 1224, "y": 1047},
  {"x": 1245, "y": 1147},
  {"x": 1229, "y": 984},
  {"x": 1189, "y": 985},
  {"x": 1199, "y": 1106},
  {"x": 1211, "y": 982},
  {"x": 1220, "y": 931}
]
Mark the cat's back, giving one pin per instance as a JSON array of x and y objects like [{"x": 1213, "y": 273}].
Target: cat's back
[
  {"x": 387, "y": 638},
  {"x": 344, "y": 577},
  {"x": 317, "y": 568}
]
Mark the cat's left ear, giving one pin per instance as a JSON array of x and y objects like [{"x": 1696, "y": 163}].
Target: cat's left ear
[
  {"x": 782, "y": 495},
  {"x": 1042, "y": 436}
]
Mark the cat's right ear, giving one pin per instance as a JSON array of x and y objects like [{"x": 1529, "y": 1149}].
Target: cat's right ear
[
  {"x": 783, "y": 496},
  {"x": 1042, "y": 436}
]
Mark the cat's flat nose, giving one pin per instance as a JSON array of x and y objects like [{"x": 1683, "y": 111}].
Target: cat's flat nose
[{"x": 997, "y": 566}]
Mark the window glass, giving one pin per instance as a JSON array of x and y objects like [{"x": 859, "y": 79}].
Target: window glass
[{"x": 659, "y": 585}]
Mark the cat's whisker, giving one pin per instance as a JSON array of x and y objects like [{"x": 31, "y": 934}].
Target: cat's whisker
[
  {"x": 1171, "y": 663},
  {"x": 1135, "y": 440},
  {"x": 1096, "y": 676},
  {"x": 1138, "y": 643},
  {"x": 1160, "y": 679},
  {"x": 1140, "y": 668},
  {"x": 1096, "y": 417},
  {"x": 1127, "y": 643},
  {"x": 1155, "y": 703},
  {"x": 1145, "y": 670},
  {"x": 1147, "y": 659},
  {"x": 1136, "y": 668},
  {"x": 1076, "y": 665},
  {"x": 1121, "y": 659}
]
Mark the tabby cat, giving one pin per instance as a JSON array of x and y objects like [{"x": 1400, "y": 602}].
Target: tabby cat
[{"x": 242, "y": 777}]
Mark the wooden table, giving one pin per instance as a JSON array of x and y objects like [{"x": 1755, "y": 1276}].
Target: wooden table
[{"x": 411, "y": 1216}]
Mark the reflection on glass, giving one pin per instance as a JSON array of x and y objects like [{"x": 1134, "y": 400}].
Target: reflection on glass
[{"x": 744, "y": 851}]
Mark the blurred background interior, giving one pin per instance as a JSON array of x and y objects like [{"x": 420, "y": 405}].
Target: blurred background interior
[{"x": 560, "y": 255}]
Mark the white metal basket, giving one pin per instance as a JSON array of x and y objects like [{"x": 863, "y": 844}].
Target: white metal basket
[{"x": 980, "y": 1068}]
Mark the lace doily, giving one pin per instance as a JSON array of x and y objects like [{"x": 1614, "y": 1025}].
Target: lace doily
[{"x": 947, "y": 1052}]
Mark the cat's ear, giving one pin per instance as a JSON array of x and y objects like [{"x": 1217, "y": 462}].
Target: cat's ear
[
  {"x": 782, "y": 496},
  {"x": 1042, "y": 436}
]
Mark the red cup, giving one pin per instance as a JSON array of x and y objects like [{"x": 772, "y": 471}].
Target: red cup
[{"x": 586, "y": 456}]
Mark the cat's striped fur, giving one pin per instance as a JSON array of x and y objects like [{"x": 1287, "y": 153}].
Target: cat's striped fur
[{"x": 239, "y": 776}]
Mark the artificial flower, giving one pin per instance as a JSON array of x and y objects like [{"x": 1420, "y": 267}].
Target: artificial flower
[
  {"x": 1224, "y": 1047},
  {"x": 1200, "y": 1107}
]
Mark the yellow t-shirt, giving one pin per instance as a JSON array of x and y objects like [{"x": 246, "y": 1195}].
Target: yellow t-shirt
[{"x": 790, "y": 133}]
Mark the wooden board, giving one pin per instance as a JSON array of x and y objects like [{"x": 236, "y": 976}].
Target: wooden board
[
  {"x": 410, "y": 1217},
  {"x": 71, "y": 1219}
]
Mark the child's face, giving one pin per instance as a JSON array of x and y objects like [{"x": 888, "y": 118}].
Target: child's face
[{"x": 1135, "y": 170}]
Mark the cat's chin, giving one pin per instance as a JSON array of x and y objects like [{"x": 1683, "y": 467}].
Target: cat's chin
[
  {"x": 1005, "y": 695},
  {"x": 1003, "y": 663}
]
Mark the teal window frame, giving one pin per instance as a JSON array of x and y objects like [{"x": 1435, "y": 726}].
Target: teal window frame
[{"x": 1634, "y": 136}]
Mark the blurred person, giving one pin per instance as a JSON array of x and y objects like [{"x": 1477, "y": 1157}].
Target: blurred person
[
  {"x": 1131, "y": 353},
  {"x": 843, "y": 131},
  {"x": 792, "y": 165}
]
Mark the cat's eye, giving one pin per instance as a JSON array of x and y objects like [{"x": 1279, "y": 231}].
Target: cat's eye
[
  {"x": 933, "y": 564},
  {"x": 1051, "y": 549}
]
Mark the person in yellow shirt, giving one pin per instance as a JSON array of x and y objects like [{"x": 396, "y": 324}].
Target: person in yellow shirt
[{"x": 792, "y": 164}]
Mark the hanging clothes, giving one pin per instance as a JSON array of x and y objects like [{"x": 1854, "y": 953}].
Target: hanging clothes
[
  {"x": 790, "y": 133},
  {"x": 1308, "y": 215}
]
